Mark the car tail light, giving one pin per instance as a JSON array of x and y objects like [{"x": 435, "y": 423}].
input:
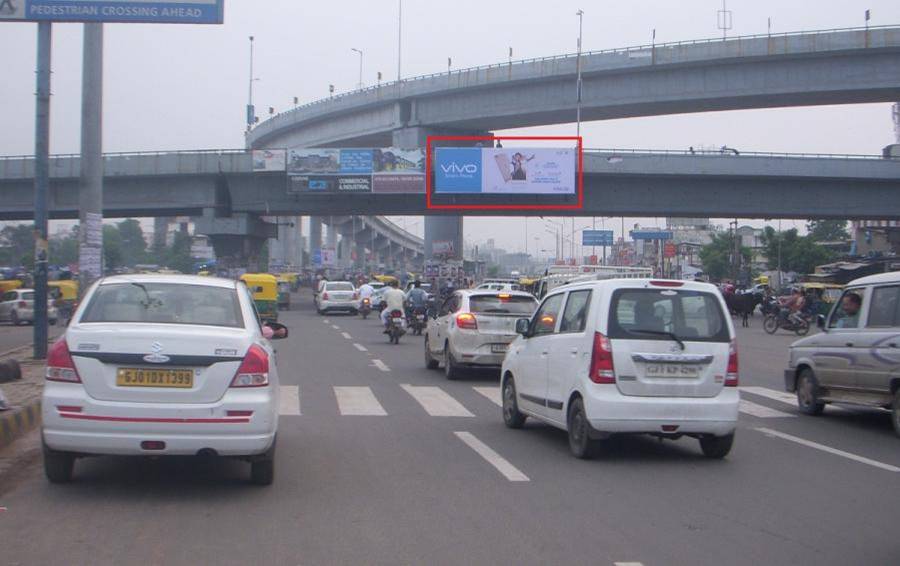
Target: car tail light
[
  {"x": 667, "y": 283},
  {"x": 324, "y": 295},
  {"x": 60, "y": 366},
  {"x": 731, "y": 375},
  {"x": 466, "y": 321},
  {"x": 238, "y": 413},
  {"x": 23, "y": 305},
  {"x": 602, "y": 370},
  {"x": 254, "y": 370}
]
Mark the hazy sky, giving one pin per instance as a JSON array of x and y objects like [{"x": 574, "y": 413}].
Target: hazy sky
[{"x": 185, "y": 87}]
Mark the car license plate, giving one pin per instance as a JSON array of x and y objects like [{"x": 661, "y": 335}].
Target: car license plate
[
  {"x": 499, "y": 348},
  {"x": 420, "y": 317},
  {"x": 398, "y": 320},
  {"x": 672, "y": 370},
  {"x": 146, "y": 377}
]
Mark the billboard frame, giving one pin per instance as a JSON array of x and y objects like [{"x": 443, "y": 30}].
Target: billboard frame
[{"x": 429, "y": 185}]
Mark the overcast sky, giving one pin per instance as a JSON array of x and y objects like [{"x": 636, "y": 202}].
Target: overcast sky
[{"x": 185, "y": 87}]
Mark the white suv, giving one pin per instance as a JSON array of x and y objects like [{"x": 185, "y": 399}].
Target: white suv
[{"x": 627, "y": 356}]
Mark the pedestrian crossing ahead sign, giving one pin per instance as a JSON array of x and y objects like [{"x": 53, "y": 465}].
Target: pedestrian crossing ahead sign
[{"x": 134, "y": 11}]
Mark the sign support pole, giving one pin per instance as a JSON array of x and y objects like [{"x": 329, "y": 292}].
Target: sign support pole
[
  {"x": 90, "y": 194},
  {"x": 41, "y": 187}
]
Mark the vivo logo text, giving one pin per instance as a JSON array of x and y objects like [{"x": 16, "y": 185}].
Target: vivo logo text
[{"x": 456, "y": 168}]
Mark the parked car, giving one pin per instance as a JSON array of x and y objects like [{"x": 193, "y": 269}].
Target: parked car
[
  {"x": 473, "y": 329},
  {"x": 337, "y": 296},
  {"x": 17, "y": 307},
  {"x": 855, "y": 357},
  {"x": 162, "y": 365},
  {"x": 627, "y": 356}
]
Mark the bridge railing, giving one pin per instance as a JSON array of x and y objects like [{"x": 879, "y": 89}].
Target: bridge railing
[
  {"x": 730, "y": 152},
  {"x": 617, "y": 50}
]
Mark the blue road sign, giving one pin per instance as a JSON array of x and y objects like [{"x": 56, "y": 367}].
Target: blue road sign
[
  {"x": 597, "y": 238},
  {"x": 651, "y": 235},
  {"x": 317, "y": 257},
  {"x": 133, "y": 11}
]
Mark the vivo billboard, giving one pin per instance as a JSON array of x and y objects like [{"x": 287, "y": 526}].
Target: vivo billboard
[
  {"x": 523, "y": 171},
  {"x": 134, "y": 11}
]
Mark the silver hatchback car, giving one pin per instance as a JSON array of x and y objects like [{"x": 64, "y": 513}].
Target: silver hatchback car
[{"x": 473, "y": 328}]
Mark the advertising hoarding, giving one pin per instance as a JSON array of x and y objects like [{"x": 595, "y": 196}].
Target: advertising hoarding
[
  {"x": 134, "y": 11},
  {"x": 651, "y": 235},
  {"x": 396, "y": 170},
  {"x": 519, "y": 171},
  {"x": 597, "y": 238},
  {"x": 380, "y": 170},
  {"x": 269, "y": 160}
]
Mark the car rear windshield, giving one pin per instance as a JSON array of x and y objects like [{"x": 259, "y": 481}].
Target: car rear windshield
[
  {"x": 339, "y": 286},
  {"x": 501, "y": 304},
  {"x": 166, "y": 303},
  {"x": 657, "y": 314},
  {"x": 27, "y": 296}
]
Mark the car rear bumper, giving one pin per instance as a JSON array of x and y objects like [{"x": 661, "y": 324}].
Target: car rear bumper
[
  {"x": 478, "y": 349},
  {"x": 610, "y": 411},
  {"x": 118, "y": 428},
  {"x": 348, "y": 305}
]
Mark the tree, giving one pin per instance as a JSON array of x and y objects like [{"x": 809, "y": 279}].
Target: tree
[
  {"x": 178, "y": 257},
  {"x": 798, "y": 253},
  {"x": 113, "y": 254},
  {"x": 134, "y": 247},
  {"x": 17, "y": 245},
  {"x": 717, "y": 256},
  {"x": 64, "y": 250},
  {"x": 828, "y": 230}
]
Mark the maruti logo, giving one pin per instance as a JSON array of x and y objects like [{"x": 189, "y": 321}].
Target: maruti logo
[{"x": 456, "y": 168}]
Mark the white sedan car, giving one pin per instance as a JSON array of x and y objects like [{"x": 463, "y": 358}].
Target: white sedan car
[{"x": 157, "y": 365}]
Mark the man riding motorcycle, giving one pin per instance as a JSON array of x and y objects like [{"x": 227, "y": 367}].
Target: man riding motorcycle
[
  {"x": 416, "y": 300},
  {"x": 794, "y": 307},
  {"x": 394, "y": 298}
]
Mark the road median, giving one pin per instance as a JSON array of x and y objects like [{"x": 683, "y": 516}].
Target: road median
[{"x": 23, "y": 397}]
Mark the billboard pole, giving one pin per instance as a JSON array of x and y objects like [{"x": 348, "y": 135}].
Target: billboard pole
[
  {"x": 90, "y": 193},
  {"x": 41, "y": 187}
]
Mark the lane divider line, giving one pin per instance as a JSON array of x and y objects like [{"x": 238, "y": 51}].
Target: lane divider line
[
  {"x": 492, "y": 393},
  {"x": 436, "y": 401},
  {"x": 289, "y": 400},
  {"x": 809, "y": 443},
  {"x": 335, "y": 326},
  {"x": 358, "y": 401},
  {"x": 347, "y": 336},
  {"x": 360, "y": 347},
  {"x": 380, "y": 365},
  {"x": 500, "y": 463},
  {"x": 326, "y": 321}
]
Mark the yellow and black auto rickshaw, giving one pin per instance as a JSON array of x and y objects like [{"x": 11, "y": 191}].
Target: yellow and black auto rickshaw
[
  {"x": 284, "y": 292},
  {"x": 264, "y": 288},
  {"x": 65, "y": 296}
]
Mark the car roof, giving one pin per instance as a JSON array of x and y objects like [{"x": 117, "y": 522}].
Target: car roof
[
  {"x": 488, "y": 292},
  {"x": 638, "y": 284},
  {"x": 169, "y": 278},
  {"x": 891, "y": 277}
]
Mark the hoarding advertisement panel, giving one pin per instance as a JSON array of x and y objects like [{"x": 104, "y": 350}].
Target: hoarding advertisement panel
[
  {"x": 398, "y": 170},
  {"x": 134, "y": 11},
  {"x": 530, "y": 171},
  {"x": 355, "y": 161},
  {"x": 269, "y": 160},
  {"x": 458, "y": 170},
  {"x": 320, "y": 161},
  {"x": 398, "y": 183}
]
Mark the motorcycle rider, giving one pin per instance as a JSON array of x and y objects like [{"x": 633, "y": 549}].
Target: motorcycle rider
[
  {"x": 794, "y": 306},
  {"x": 416, "y": 297},
  {"x": 394, "y": 299},
  {"x": 365, "y": 292}
]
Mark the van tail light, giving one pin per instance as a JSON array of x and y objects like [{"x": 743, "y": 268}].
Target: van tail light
[
  {"x": 60, "y": 366},
  {"x": 666, "y": 283},
  {"x": 466, "y": 321},
  {"x": 602, "y": 370},
  {"x": 731, "y": 375},
  {"x": 254, "y": 370},
  {"x": 23, "y": 305},
  {"x": 324, "y": 295}
]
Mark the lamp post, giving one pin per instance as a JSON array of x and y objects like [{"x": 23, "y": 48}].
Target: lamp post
[
  {"x": 399, "y": 35},
  {"x": 580, "y": 14},
  {"x": 251, "y": 112},
  {"x": 360, "y": 84}
]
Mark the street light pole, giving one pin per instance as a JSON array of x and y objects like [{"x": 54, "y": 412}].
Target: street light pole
[
  {"x": 399, "y": 35},
  {"x": 251, "y": 112},
  {"x": 580, "y": 14},
  {"x": 360, "y": 84}
]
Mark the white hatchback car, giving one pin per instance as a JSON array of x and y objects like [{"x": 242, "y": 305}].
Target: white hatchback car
[
  {"x": 158, "y": 365},
  {"x": 17, "y": 307},
  {"x": 627, "y": 356}
]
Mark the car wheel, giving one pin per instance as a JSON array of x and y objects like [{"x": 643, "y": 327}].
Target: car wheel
[
  {"x": 895, "y": 412},
  {"x": 511, "y": 415},
  {"x": 451, "y": 370},
  {"x": 58, "y": 466},
  {"x": 580, "y": 442},
  {"x": 430, "y": 362},
  {"x": 716, "y": 446},
  {"x": 770, "y": 324},
  {"x": 807, "y": 394}
]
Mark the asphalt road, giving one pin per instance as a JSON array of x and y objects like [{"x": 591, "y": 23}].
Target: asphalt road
[
  {"x": 14, "y": 336},
  {"x": 428, "y": 474}
]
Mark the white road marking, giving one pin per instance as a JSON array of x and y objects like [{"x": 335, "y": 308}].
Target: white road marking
[
  {"x": 380, "y": 365},
  {"x": 823, "y": 448},
  {"x": 358, "y": 400},
  {"x": 780, "y": 396},
  {"x": 436, "y": 401},
  {"x": 360, "y": 347},
  {"x": 289, "y": 400},
  {"x": 502, "y": 465},
  {"x": 492, "y": 393},
  {"x": 335, "y": 326},
  {"x": 325, "y": 320},
  {"x": 628, "y": 564},
  {"x": 761, "y": 411},
  {"x": 346, "y": 335}
]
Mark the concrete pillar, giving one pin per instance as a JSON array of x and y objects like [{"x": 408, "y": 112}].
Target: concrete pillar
[
  {"x": 315, "y": 236},
  {"x": 346, "y": 259},
  {"x": 360, "y": 248},
  {"x": 331, "y": 237}
]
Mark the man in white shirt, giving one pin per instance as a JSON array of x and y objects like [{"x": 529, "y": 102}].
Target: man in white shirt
[
  {"x": 366, "y": 291},
  {"x": 394, "y": 298}
]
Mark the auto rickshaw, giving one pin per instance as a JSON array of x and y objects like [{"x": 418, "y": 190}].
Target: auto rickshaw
[
  {"x": 824, "y": 295},
  {"x": 386, "y": 279},
  {"x": 264, "y": 288},
  {"x": 292, "y": 278},
  {"x": 65, "y": 296},
  {"x": 284, "y": 292},
  {"x": 9, "y": 285}
]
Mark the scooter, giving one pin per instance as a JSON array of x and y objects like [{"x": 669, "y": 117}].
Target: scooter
[
  {"x": 395, "y": 327},
  {"x": 417, "y": 320},
  {"x": 365, "y": 307}
]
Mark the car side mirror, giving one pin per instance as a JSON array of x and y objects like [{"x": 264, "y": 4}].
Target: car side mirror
[
  {"x": 279, "y": 331},
  {"x": 820, "y": 322},
  {"x": 522, "y": 326}
]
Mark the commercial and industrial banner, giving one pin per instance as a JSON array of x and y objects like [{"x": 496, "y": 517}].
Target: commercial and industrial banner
[
  {"x": 519, "y": 171},
  {"x": 387, "y": 170}
]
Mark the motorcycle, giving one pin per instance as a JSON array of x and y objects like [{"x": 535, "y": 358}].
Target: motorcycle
[
  {"x": 395, "y": 327},
  {"x": 770, "y": 306},
  {"x": 417, "y": 320},
  {"x": 365, "y": 307},
  {"x": 798, "y": 324}
]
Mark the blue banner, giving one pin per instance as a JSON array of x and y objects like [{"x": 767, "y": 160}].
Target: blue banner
[
  {"x": 356, "y": 161},
  {"x": 651, "y": 235},
  {"x": 597, "y": 238},
  {"x": 134, "y": 11},
  {"x": 457, "y": 170}
]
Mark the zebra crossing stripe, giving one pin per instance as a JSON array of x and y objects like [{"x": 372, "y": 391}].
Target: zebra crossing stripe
[{"x": 436, "y": 401}]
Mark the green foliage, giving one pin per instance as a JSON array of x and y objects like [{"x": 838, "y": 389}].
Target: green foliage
[
  {"x": 828, "y": 230},
  {"x": 493, "y": 271},
  {"x": 113, "y": 254},
  {"x": 178, "y": 256},
  {"x": 64, "y": 250},
  {"x": 717, "y": 256},
  {"x": 798, "y": 253},
  {"x": 17, "y": 245},
  {"x": 134, "y": 247}
]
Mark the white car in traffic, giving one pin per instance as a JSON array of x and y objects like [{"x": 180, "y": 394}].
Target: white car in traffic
[
  {"x": 337, "y": 296},
  {"x": 627, "y": 356},
  {"x": 159, "y": 365},
  {"x": 17, "y": 307}
]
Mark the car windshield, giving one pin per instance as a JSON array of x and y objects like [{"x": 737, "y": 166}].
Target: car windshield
[
  {"x": 28, "y": 296},
  {"x": 166, "y": 303},
  {"x": 339, "y": 286},
  {"x": 657, "y": 314},
  {"x": 502, "y": 304}
]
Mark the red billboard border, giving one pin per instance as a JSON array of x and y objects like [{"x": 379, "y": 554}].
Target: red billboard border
[{"x": 429, "y": 188}]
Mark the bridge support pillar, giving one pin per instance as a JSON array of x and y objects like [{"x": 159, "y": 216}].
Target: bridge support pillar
[
  {"x": 237, "y": 240},
  {"x": 315, "y": 237}
]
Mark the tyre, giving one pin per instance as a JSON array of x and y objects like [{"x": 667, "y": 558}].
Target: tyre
[
  {"x": 580, "y": 443},
  {"x": 511, "y": 415},
  {"x": 895, "y": 412},
  {"x": 808, "y": 394},
  {"x": 716, "y": 446},
  {"x": 802, "y": 328},
  {"x": 58, "y": 466},
  {"x": 430, "y": 362},
  {"x": 770, "y": 324},
  {"x": 451, "y": 370}
]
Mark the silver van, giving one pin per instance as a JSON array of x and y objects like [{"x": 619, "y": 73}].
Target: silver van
[{"x": 856, "y": 357}]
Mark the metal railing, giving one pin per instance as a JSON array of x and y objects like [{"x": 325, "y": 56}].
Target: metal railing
[
  {"x": 730, "y": 153},
  {"x": 617, "y": 50},
  {"x": 135, "y": 154}
]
